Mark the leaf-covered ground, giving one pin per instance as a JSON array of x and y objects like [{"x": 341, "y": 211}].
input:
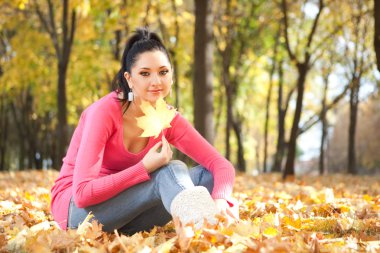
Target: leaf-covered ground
[{"x": 336, "y": 213}]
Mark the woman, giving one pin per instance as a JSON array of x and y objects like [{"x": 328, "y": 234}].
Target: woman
[{"x": 128, "y": 182}]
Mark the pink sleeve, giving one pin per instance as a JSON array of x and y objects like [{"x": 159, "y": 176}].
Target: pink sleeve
[
  {"x": 88, "y": 187},
  {"x": 184, "y": 137}
]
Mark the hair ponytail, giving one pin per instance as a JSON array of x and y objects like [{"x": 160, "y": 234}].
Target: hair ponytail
[{"x": 143, "y": 40}]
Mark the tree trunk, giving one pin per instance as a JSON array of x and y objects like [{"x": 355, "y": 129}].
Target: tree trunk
[
  {"x": 226, "y": 79},
  {"x": 22, "y": 156},
  {"x": 280, "y": 147},
  {"x": 30, "y": 156},
  {"x": 63, "y": 62},
  {"x": 62, "y": 39},
  {"x": 49, "y": 143},
  {"x": 240, "y": 152},
  {"x": 32, "y": 128},
  {"x": 354, "y": 103},
  {"x": 292, "y": 148},
  {"x": 268, "y": 100},
  {"x": 257, "y": 155},
  {"x": 175, "y": 57},
  {"x": 21, "y": 133},
  {"x": 203, "y": 75},
  {"x": 322, "y": 168},
  {"x": 116, "y": 45},
  {"x": 3, "y": 131},
  {"x": 62, "y": 115},
  {"x": 232, "y": 47},
  {"x": 358, "y": 70},
  {"x": 266, "y": 126},
  {"x": 303, "y": 68},
  {"x": 376, "y": 40},
  {"x": 228, "y": 121},
  {"x": 28, "y": 123}
]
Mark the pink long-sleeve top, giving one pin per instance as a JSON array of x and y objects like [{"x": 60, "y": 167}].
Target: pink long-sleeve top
[{"x": 97, "y": 165}]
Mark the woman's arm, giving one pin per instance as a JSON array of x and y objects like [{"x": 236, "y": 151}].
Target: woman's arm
[
  {"x": 88, "y": 188},
  {"x": 184, "y": 137}
]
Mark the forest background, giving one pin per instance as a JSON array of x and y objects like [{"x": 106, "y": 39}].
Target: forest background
[{"x": 290, "y": 86}]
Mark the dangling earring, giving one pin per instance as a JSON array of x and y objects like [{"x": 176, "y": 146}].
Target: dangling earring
[{"x": 130, "y": 96}]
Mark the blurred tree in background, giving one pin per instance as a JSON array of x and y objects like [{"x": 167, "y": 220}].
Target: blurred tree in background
[{"x": 285, "y": 75}]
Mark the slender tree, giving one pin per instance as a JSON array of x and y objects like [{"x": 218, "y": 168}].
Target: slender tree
[
  {"x": 121, "y": 31},
  {"x": 3, "y": 115},
  {"x": 203, "y": 75},
  {"x": 322, "y": 167},
  {"x": 28, "y": 126},
  {"x": 6, "y": 34},
  {"x": 282, "y": 109},
  {"x": 173, "y": 51},
  {"x": 234, "y": 35},
  {"x": 4, "y": 123},
  {"x": 354, "y": 105},
  {"x": 358, "y": 65},
  {"x": 268, "y": 100},
  {"x": 376, "y": 41},
  {"x": 62, "y": 42},
  {"x": 303, "y": 67},
  {"x": 172, "y": 46}
]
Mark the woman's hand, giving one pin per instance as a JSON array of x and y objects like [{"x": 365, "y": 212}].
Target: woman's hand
[
  {"x": 231, "y": 213},
  {"x": 155, "y": 159}
]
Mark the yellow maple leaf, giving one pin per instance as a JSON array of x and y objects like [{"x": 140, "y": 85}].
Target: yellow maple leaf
[
  {"x": 270, "y": 232},
  {"x": 292, "y": 223},
  {"x": 155, "y": 119}
]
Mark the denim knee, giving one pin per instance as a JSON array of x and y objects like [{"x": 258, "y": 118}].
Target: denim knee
[
  {"x": 177, "y": 164},
  {"x": 170, "y": 180},
  {"x": 175, "y": 168},
  {"x": 206, "y": 179},
  {"x": 174, "y": 173}
]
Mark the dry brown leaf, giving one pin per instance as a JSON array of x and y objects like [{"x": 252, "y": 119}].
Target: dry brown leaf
[{"x": 335, "y": 213}]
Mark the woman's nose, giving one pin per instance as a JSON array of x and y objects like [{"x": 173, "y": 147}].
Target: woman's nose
[{"x": 155, "y": 79}]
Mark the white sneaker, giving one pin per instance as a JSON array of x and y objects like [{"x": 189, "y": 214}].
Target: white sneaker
[{"x": 193, "y": 206}]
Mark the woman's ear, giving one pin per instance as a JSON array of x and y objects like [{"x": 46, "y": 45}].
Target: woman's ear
[{"x": 127, "y": 76}]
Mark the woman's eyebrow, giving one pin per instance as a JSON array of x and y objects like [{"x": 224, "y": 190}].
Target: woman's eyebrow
[{"x": 164, "y": 66}]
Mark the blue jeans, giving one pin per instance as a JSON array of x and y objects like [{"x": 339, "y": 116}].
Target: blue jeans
[{"x": 144, "y": 205}]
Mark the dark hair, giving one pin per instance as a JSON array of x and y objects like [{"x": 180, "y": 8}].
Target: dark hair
[{"x": 140, "y": 42}]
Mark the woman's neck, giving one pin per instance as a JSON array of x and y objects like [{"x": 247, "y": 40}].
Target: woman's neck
[{"x": 133, "y": 110}]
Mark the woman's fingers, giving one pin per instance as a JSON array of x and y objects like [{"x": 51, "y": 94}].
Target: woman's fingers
[
  {"x": 164, "y": 144},
  {"x": 232, "y": 214},
  {"x": 156, "y": 146},
  {"x": 166, "y": 150},
  {"x": 154, "y": 159},
  {"x": 227, "y": 211}
]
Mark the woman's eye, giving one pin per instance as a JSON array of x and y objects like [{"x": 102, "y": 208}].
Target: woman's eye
[
  {"x": 144, "y": 73},
  {"x": 164, "y": 72}
]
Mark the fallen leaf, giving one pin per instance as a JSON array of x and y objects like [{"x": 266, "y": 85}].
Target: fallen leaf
[
  {"x": 155, "y": 119},
  {"x": 270, "y": 232},
  {"x": 276, "y": 216}
]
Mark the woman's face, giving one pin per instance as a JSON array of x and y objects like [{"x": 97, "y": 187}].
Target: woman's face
[{"x": 151, "y": 76}]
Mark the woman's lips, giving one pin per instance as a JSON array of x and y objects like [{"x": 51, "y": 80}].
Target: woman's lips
[{"x": 155, "y": 91}]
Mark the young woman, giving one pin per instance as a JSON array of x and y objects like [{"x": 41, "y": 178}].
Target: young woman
[{"x": 128, "y": 182}]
